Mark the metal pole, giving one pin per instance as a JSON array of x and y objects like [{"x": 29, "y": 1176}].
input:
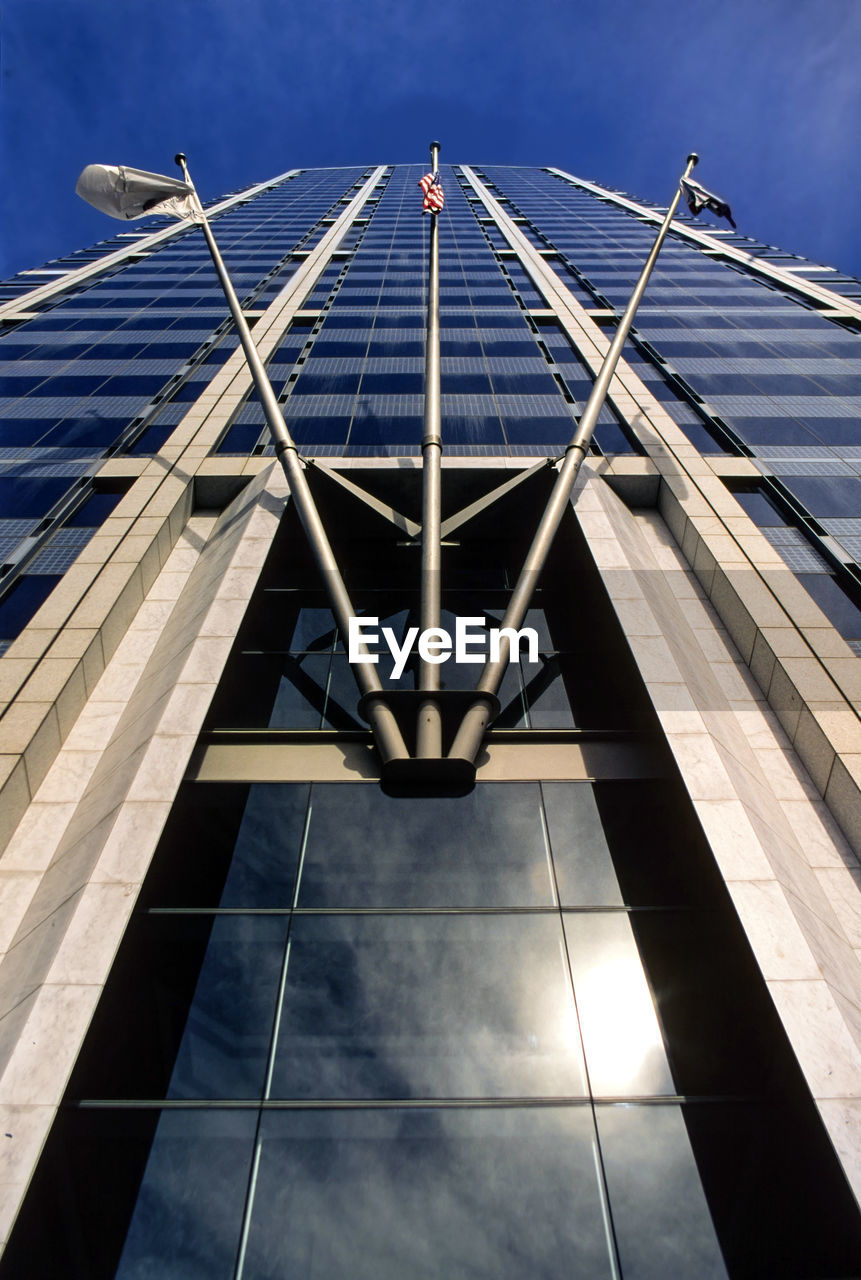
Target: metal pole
[
  {"x": 472, "y": 728},
  {"x": 429, "y": 726},
  {"x": 387, "y": 735}
]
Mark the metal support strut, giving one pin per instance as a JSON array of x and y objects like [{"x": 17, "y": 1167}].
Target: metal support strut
[
  {"x": 472, "y": 728},
  {"x": 387, "y": 735},
  {"x": 429, "y": 725}
]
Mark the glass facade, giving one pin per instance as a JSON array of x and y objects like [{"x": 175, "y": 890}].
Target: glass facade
[
  {"x": 739, "y": 365},
  {"x": 518, "y": 1032},
  {"x": 113, "y": 365}
]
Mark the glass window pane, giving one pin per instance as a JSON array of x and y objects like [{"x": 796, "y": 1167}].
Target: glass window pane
[
  {"x": 225, "y": 1044},
  {"x": 263, "y": 869},
  {"x": 621, "y": 1035},
  {"x": 546, "y": 695},
  {"x": 662, "y": 1223},
  {"x": 459, "y": 1006},
  {"x": 365, "y": 848},
  {"x": 189, "y": 1210},
  {"x": 301, "y": 693},
  {"x": 428, "y": 1193},
  {"x": 581, "y": 858}
]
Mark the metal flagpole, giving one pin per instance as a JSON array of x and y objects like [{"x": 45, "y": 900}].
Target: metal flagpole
[
  {"x": 387, "y": 735},
  {"x": 429, "y": 726},
  {"x": 469, "y": 735}
]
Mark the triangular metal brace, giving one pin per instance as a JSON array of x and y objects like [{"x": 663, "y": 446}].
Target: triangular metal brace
[
  {"x": 402, "y": 522},
  {"x": 456, "y": 521}
]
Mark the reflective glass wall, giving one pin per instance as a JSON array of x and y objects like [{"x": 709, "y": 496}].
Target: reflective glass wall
[
  {"x": 111, "y": 366},
  {"x": 514, "y": 1032},
  {"x": 739, "y": 364}
]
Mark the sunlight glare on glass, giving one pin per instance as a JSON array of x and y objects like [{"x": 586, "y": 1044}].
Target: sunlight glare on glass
[{"x": 624, "y": 1048}]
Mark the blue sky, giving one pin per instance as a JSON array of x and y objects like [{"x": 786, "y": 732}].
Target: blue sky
[{"x": 767, "y": 91}]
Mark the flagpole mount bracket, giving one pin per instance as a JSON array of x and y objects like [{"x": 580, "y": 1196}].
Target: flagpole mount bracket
[{"x": 417, "y": 775}]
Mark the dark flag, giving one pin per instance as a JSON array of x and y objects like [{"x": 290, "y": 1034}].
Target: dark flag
[
  {"x": 698, "y": 199},
  {"x": 433, "y": 194}
]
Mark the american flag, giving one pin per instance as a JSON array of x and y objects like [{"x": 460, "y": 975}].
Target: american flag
[{"x": 433, "y": 194}]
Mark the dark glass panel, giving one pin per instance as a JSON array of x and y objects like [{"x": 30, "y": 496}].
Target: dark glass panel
[
  {"x": 151, "y": 440},
  {"x": 96, "y": 509},
  {"x": 11, "y": 388},
  {"x": 387, "y": 350},
  {"x": 225, "y": 1044},
  {"x": 761, "y": 510},
  {"x": 300, "y": 695},
  {"x": 387, "y": 1006},
  {"x": 476, "y": 383},
  {"x": 612, "y": 439},
  {"x": 466, "y": 429},
  {"x": 313, "y": 629},
  {"x": 835, "y": 431},
  {"x": 429, "y": 1193},
  {"x": 229, "y": 845},
  {"x": 308, "y": 429},
  {"x": 18, "y": 432},
  {"x": 545, "y": 693},
  {"x": 370, "y": 427},
  {"x": 772, "y": 431},
  {"x": 188, "y": 1216},
  {"x": 311, "y": 382},
  {"x": 23, "y": 600},
  {"x": 23, "y": 496},
  {"x": 513, "y": 346},
  {"x": 545, "y": 430},
  {"x": 367, "y": 849},
  {"x": 699, "y": 435},
  {"x": 390, "y": 384},
  {"x": 90, "y": 430},
  {"x": 240, "y": 438},
  {"x": 331, "y": 347},
  {"x": 190, "y": 1012},
  {"x": 186, "y": 393},
  {"x": 581, "y": 858},
  {"x": 266, "y": 854},
  {"x": 827, "y": 495},
  {"x": 525, "y": 384},
  {"x": 72, "y": 385},
  {"x": 400, "y": 320},
  {"x": 834, "y": 603},
  {"x": 661, "y": 1220},
  {"x": 460, "y": 347},
  {"x": 136, "y": 384},
  {"x": 342, "y": 696}
]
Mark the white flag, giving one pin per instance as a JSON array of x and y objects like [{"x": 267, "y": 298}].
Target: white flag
[{"x": 133, "y": 193}]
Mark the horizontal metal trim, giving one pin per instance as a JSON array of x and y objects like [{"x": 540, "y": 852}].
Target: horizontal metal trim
[{"x": 388, "y": 1104}]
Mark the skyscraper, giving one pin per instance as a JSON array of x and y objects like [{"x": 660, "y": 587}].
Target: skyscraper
[{"x": 598, "y": 1015}]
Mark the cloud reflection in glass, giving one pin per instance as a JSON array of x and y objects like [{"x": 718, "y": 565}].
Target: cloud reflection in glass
[{"x": 427, "y": 1007}]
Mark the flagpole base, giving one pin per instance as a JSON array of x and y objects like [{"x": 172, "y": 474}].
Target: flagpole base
[
  {"x": 421, "y": 777},
  {"x": 443, "y": 773}
]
